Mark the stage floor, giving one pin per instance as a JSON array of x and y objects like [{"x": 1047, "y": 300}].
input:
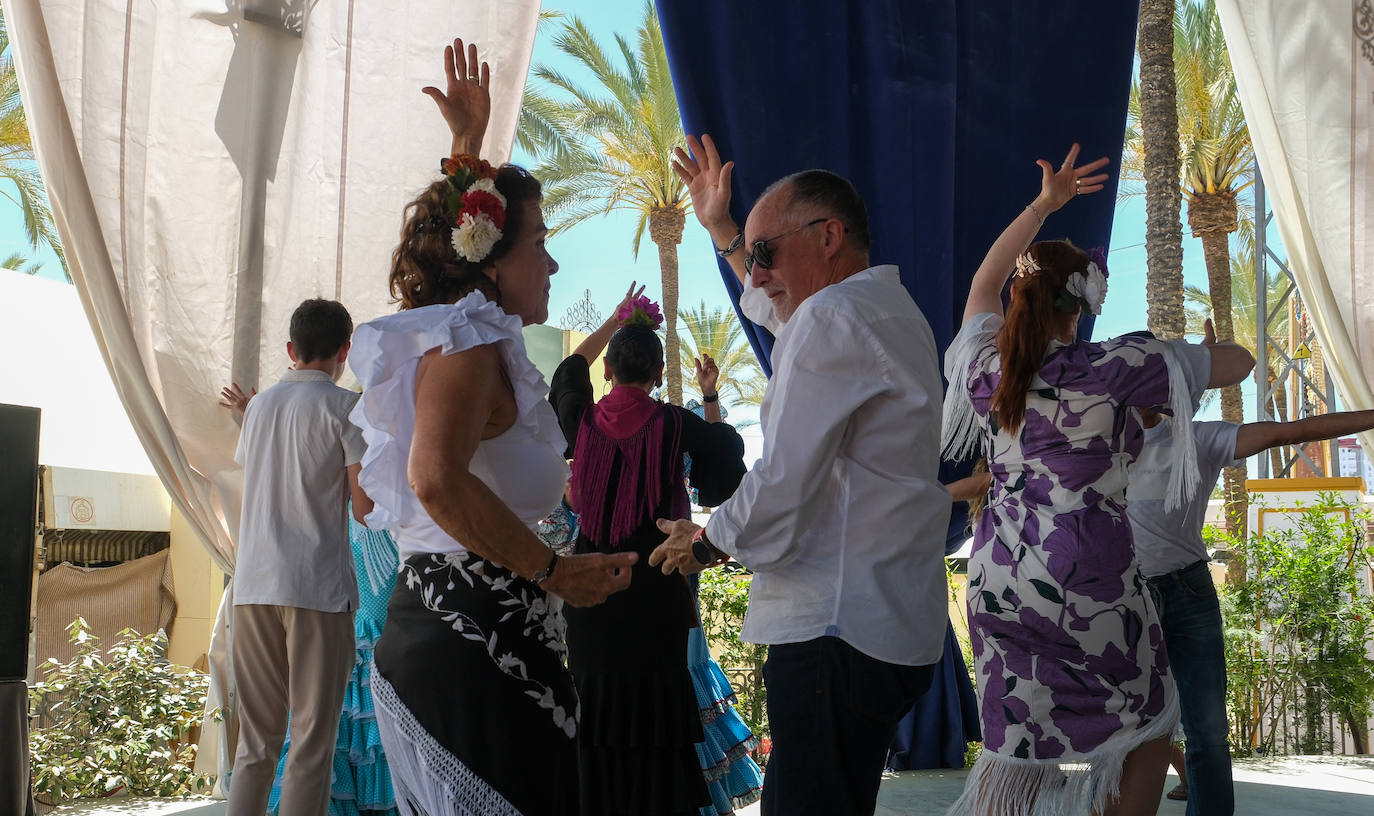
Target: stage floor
[{"x": 1278, "y": 787}]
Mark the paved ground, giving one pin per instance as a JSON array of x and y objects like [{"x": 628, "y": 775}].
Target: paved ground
[{"x": 1310, "y": 786}]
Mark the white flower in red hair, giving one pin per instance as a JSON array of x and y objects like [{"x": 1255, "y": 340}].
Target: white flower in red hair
[{"x": 1090, "y": 287}]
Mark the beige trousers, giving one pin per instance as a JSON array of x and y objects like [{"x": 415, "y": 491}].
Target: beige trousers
[{"x": 288, "y": 659}]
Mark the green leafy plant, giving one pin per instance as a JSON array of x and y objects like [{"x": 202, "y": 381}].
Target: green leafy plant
[
  {"x": 118, "y": 720},
  {"x": 973, "y": 749},
  {"x": 724, "y": 598},
  {"x": 1297, "y": 630}
]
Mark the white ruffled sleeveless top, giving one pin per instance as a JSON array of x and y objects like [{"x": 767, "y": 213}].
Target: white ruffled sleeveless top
[{"x": 524, "y": 466}]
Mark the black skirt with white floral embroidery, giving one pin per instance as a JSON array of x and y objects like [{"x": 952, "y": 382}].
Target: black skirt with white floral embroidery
[{"x": 472, "y": 685}]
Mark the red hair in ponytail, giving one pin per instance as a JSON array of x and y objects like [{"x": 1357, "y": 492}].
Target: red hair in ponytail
[{"x": 1032, "y": 320}]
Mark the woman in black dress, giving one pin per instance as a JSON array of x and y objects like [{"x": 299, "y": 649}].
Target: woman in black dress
[{"x": 628, "y": 656}]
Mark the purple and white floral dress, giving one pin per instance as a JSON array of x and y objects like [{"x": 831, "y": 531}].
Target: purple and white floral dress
[{"x": 1066, "y": 641}]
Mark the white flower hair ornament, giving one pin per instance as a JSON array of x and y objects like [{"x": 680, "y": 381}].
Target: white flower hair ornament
[
  {"x": 477, "y": 207},
  {"x": 1086, "y": 289},
  {"x": 1089, "y": 287}
]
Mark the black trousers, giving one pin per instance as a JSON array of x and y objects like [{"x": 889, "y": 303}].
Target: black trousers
[{"x": 833, "y": 712}]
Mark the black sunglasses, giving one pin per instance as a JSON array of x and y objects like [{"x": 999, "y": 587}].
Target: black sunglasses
[{"x": 763, "y": 256}]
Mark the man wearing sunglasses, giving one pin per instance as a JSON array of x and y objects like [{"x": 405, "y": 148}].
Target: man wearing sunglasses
[{"x": 843, "y": 519}]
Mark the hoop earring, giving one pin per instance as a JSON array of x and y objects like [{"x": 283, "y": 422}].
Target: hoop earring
[{"x": 606, "y": 386}]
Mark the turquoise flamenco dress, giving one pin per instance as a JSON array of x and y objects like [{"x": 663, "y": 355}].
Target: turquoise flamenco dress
[
  {"x": 733, "y": 778},
  {"x": 361, "y": 784}
]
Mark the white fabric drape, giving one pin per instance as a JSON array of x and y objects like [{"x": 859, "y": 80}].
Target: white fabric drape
[
  {"x": 1305, "y": 75},
  {"x": 210, "y": 164}
]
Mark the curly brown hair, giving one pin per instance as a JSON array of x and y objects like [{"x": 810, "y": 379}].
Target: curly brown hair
[{"x": 426, "y": 269}]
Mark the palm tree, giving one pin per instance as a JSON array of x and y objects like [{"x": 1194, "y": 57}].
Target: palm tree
[
  {"x": 608, "y": 149},
  {"x": 718, "y": 332},
  {"x": 1152, "y": 148},
  {"x": 1218, "y": 163},
  {"x": 25, "y": 188},
  {"x": 19, "y": 262},
  {"x": 1215, "y": 163},
  {"x": 1246, "y": 320}
]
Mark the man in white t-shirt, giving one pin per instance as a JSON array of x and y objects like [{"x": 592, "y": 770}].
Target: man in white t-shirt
[
  {"x": 1174, "y": 560},
  {"x": 294, "y": 587}
]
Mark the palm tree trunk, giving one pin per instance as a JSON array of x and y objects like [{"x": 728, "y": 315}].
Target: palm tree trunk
[
  {"x": 1212, "y": 216},
  {"x": 1159, "y": 139},
  {"x": 665, "y": 230}
]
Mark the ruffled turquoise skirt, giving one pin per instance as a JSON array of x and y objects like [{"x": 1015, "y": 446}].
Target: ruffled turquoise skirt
[
  {"x": 732, "y": 777},
  {"x": 361, "y": 784}
]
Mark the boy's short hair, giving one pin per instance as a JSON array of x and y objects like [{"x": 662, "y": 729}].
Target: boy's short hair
[{"x": 319, "y": 328}]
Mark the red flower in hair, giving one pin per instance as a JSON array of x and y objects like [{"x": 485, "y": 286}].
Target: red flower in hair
[{"x": 481, "y": 202}]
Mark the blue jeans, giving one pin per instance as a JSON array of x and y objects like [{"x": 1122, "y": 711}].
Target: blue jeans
[{"x": 1191, "y": 619}]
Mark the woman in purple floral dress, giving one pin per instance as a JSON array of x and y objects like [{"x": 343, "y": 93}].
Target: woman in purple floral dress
[{"x": 1075, "y": 696}]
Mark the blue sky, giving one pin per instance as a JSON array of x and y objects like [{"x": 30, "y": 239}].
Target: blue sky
[{"x": 597, "y": 254}]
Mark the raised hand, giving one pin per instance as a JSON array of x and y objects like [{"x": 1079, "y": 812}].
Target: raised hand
[
  {"x": 1058, "y": 186},
  {"x": 630, "y": 295},
  {"x": 707, "y": 374},
  {"x": 233, "y": 398},
  {"x": 466, "y": 100},
  {"x": 1209, "y": 333},
  {"x": 707, "y": 180}
]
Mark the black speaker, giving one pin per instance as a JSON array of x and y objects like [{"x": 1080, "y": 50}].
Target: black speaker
[{"x": 18, "y": 506}]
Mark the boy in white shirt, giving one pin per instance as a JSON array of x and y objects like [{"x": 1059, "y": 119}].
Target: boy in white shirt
[{"x": 294, "y": 588}]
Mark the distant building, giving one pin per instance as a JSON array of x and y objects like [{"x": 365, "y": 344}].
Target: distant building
[{"x": 1354, "y": 461}]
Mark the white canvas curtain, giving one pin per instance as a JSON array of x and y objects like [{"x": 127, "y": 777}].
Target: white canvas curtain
[
  {"x": 210, "y": 164},
  {"x": 1305, "y": 74}
]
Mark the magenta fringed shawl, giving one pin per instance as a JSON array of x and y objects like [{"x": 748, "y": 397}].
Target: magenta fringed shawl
[{"x": 626, "y": 428}]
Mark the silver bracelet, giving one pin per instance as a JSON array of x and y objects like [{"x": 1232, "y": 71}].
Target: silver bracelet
[{"x": 1031, "y": 207}]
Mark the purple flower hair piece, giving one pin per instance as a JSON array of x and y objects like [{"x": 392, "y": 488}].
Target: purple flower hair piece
[
  {"x": 640, "y": 312},
  {"x": 1098, "y": 255}
]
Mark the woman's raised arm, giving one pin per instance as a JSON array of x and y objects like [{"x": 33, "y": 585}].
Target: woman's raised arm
[{"x": 1056, "y": 188}]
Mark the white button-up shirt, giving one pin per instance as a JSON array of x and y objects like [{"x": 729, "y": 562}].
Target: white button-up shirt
[
  {"x": 844, "y": 518},
  {"x": 295, "y": 448}
]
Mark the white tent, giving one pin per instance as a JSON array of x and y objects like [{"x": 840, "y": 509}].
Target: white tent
[
  {"x": 1305, "y": 75},
  {"x": 211, "y": 163}
]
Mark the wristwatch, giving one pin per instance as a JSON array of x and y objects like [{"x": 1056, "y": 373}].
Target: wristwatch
[
  {"x": 539, "y": 577},
  {"x": 734, "y": 244},
  {"x": 702, "y": 550}
]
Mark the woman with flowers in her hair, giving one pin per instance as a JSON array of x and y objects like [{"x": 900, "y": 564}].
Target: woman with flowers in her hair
[
  {"x": 1075, "y": 696},
  {"x": 640, "y": 721},
  {"x": 476, "y": 710}
]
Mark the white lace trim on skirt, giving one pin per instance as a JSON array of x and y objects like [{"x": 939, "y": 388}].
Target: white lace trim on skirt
[
  {"x": 429, "y": 780},
  {"x": 1007, "y": 786}
]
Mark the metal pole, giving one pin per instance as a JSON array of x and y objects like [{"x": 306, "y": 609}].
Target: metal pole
[{"x": 1263, "y": 390}]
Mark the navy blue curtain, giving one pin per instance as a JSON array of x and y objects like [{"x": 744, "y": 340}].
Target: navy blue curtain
[{"x": 935, "y": 109}]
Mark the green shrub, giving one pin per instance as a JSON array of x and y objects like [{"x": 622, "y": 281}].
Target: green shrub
[
  {"x": 1297, "y": 628},
  {"x": 121, "y": 721},
  {"x": 724, "y": 597}
]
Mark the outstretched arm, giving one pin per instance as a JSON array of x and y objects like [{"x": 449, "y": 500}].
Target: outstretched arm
[
  {"x": 1056, "y": 188},
  {"x": 595, "y": 343},
  {"x": 708, "y": 182},
  {"x": 465, "y": 101},
  {"x": 1254, "y": 437}
]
